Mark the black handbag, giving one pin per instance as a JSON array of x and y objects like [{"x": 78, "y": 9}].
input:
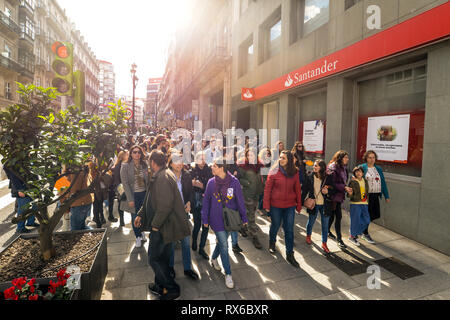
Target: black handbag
[{"x": 231, "y": 219}]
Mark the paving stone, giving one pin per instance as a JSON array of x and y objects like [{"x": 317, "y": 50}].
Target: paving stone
[
  {"x": 258, "y": 293},
  {"x": 404, "y": 245},
  {"x": 114, "y": 279},
  {"x": 443, "y": 295},
  {"x": 127, "y": 261},
  {"x": 118, "y": 248},
  {"x": 343, "y": 295},
  {"x": 334, "y": 281},
  {"x": 364, "y": 293},
  {"x": 137, "y": 276},
  {"x": 303, "y": 288},
  {"x": 130, "y": 293}
]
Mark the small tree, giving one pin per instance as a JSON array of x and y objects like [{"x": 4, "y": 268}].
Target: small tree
[{"x": 37, "y": 142}]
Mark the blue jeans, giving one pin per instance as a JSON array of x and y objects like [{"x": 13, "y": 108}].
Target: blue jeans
[
  {"x": 234, "y": 237},
  {"x": 30, "y": 221},
  {"x": 185, "y": 251},
  {"x": 359, "y": 219},
  {"x": 222, "y": 249},
  {"x": 312, "y": 220},
  {"x": 78, "y": 217},
  {"x": 139, "y": 198},
  {"x": 287, "y": 216}
]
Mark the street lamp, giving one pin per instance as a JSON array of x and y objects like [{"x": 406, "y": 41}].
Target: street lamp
[{"x": 135, "y": 82}]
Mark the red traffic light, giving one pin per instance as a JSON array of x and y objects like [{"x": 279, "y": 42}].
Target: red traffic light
[{"x": 60, "y": 50}]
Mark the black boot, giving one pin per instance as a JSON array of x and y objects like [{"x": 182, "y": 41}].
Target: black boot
[
  {"x": 290, "y": 258},
  {"x": 122, "y": 222},
  {"x": 272, "y": 248},
  {"x": 194, "y": 245},
  {"x": 112, "y": 219}
]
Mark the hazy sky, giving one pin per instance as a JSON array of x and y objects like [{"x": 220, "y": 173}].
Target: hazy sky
[{"x": 123, "y": 32}]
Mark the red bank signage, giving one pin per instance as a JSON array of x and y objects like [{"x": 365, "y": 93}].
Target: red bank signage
[{"x": 428, "y": 27}]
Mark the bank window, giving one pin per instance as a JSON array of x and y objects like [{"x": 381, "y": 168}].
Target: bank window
[
  {"x": 270, "y": 36},
  {"x": 317, "y": 13},
  {"x": 350, "y": 3},
  {"x": 246, "y": 56},
  {"x": 307, "y": 16},
  {"x": 392, "y": 118}
]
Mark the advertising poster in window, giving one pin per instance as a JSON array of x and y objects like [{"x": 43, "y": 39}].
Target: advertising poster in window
[
  {"x": 389, "y": 137},
  {"x": 313, "y": 136}
]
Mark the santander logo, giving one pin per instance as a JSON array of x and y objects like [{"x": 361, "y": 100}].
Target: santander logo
[
  {"x": 289, "y": 82},
  {"x": 305, "y": 76},
  {"x": 248, "y": 94}
]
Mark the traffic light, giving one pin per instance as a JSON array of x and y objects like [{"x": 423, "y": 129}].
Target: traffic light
[{"x": 63, "y": 68}]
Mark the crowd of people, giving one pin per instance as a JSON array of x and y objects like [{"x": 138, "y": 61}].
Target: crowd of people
[{"x": 151, "y": 182}]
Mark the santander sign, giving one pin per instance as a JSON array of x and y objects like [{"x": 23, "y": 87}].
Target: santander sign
[
  {"x": 424, "y": 29},
  {"x": 311, "y": 74}
]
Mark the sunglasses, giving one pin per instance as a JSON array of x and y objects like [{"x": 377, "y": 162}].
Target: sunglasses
[{"x": 137, "y": 152}]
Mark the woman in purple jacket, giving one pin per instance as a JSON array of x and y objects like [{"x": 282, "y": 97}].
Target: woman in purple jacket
[
  {"x": 223, "y": 188},
  {"x": 335, "y": 190}
]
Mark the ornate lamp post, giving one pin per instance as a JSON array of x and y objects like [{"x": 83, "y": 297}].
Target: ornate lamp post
[{"x": 135, "y": 82}]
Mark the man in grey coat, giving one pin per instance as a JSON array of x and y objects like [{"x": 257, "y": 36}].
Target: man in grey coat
[{"x": 164, "y": 213}]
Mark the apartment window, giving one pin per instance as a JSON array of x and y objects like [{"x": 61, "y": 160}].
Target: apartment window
[
  {"x": 270, "y": 36},
  {"x": 246, "y": 56},
  {"x": 8, "y": 12},
  {"x": 8, "y": 94},
  {"x": 8, "y": 52},
  {"x": 350, "y": 3}
]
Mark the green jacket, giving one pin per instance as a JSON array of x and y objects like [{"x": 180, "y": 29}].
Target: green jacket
[
  {"x": 251, "y": 182},
  {"x": 164, "y": 207},
  {"x": 356, "y": 196}
]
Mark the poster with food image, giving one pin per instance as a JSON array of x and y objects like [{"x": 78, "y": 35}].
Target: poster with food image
[
  {"x": 313, "y": 134},
  {"x": 389, "y": 137}
]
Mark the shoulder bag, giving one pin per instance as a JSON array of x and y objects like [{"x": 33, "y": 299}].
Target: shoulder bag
[
  {"x": 231, "y": 219},
  {"x": 309, "y": 203}
]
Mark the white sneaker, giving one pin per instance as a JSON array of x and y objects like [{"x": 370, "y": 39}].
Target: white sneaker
[
  {"x": 229, "y": 281},
  {"x": 354, "y": 241},
  {"x": 138, "y": 242},
  {"x": 143, "y": 238},
  {"x": 216, "y": 264}
]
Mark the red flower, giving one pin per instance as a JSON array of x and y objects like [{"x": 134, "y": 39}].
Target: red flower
[
  {"x": 32, "y": 289},
  {"x": 19, "y": 283},
  {"x": 33, "y": 297},
  {"x": 32, "y": 282},
  {"x": 10, "y": 293},
  {"x": 61, "y": 274}
]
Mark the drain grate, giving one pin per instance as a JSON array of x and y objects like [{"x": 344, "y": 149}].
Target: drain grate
[
  {"x": 399, "y": 268},
  {"x": 348, "y": 262}
]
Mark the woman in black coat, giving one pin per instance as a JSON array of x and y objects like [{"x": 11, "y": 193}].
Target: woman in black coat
[{"x": 312, "y": 189}]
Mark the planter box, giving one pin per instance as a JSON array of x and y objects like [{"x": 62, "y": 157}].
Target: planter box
[{"x": 91, "y": 283}]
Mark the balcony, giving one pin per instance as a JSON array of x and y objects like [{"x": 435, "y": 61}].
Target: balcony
[
  {"x": 214, "y": 63},
  {"x": 8, "y": 26},
  {"x": 9, "y": 64},
  {"x": 26, "y": 8},
  {"x": 27, "y": 62},
  {"x": 40, "y": 7},
  {"x": 27, "y": 38}
]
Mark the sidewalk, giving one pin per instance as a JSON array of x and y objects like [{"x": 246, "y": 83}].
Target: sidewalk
[{"x": 258, "y": 275}]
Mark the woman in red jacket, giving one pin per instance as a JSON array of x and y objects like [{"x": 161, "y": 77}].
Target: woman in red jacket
[{"x": 282, "y": 196}]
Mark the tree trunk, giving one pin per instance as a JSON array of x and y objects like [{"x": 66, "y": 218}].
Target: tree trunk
[{"x": 46, "y": 242}]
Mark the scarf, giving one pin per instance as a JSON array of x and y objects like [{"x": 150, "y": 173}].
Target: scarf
[
  {"x": 255, "y": 167},
  {"x": 222, "y": 186}
]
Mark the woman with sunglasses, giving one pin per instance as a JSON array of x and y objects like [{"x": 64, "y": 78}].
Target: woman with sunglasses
[
  {"x": 299, "y": 154},
  {"x": 134, "y": 176}
]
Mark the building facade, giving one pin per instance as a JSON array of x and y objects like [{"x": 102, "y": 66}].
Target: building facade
[
  {"x": 297, "y": 62},
  {"x": 151, "y": 103},
  {"x": 197, "y": 84},
  {"x": 107, "y": 92},
  {"x": 28, "y": 28},
  {"x": 17, "y": 38}
]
